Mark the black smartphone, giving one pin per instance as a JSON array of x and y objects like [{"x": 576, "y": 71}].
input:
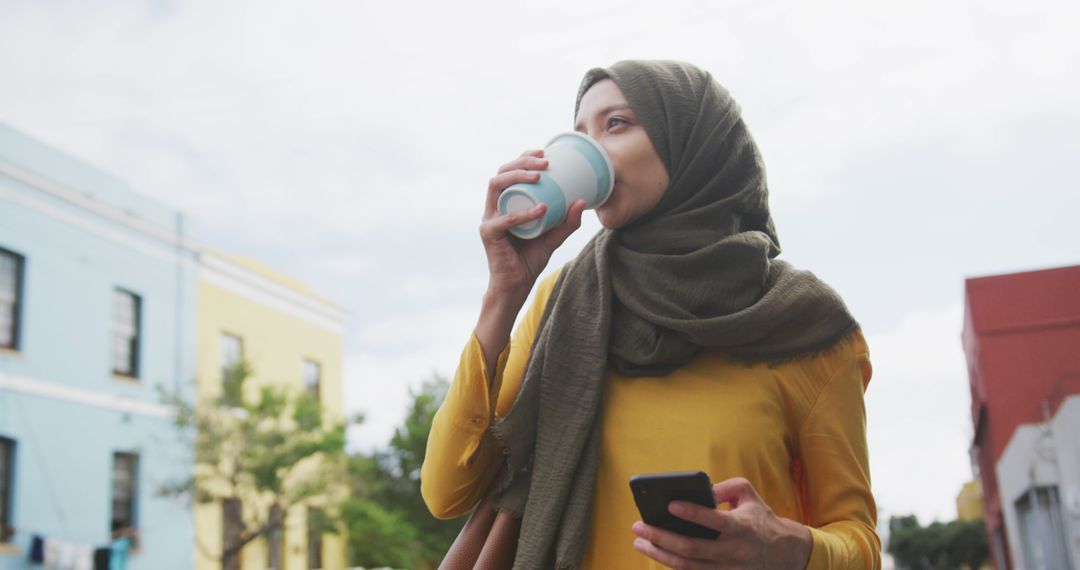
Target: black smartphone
[{"x": 654, "y": 492}]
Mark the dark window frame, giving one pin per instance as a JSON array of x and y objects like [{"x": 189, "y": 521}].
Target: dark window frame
[
  {"x": 16, "y": 310},
  {"x": 134, "y": 360},
  {"x": 129, "y": 519},
  {"x": 7, "y": 488},
  {"x": 1040, "y": 506},
  {"x": 315, "y": 542}
]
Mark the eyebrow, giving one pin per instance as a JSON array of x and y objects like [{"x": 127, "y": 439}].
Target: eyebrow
[{"x": 605, "y": 112}]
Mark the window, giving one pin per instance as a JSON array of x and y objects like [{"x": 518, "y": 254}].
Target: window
[
  {"x": 274, "y": 539},
  {"x": 312, "y": 378},
  {"x": 231, "y": 359},
  {"x": 232, "y": 528},
  {"x": 314, "y": 525},
  {"x": 999, "y": 544},
  {"x": 11, "y": 270},
  {"x": 126, "y": 321},
  {"x": 7, "y": 477},
  {"x": 232, "y": 353},
  {"x": 125, "y": 490},
  {"x": 1043, "y": 529}
]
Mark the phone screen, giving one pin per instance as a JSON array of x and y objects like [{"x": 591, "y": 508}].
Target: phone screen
[{"x": 654, "y": 492}]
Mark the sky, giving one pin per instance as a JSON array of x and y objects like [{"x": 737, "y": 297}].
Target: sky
[{"x": 909, "y": 145}]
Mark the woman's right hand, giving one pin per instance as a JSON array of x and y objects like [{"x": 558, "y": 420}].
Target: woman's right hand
[{"x": 514, "y": 264}]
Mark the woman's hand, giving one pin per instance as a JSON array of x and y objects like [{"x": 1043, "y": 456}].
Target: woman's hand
[
  {"x": 751, "y": 536},
  {"x": 514, "y": 264}
]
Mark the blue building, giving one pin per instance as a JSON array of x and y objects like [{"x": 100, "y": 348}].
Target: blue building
[{"x": 97, "y": 309}]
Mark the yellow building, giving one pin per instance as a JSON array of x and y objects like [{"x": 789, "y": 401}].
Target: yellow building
[
  {"x": 969, "y": 503},
  {"x": 290, "y": 336}
]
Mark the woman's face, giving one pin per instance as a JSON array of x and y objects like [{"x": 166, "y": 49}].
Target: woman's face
[{"x": 640, "y": 176}]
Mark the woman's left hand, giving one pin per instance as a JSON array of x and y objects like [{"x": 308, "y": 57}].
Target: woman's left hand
[{"x": 751, "y": 535}]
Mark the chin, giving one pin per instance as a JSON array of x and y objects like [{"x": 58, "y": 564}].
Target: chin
[{"x": 607, "y": 220}]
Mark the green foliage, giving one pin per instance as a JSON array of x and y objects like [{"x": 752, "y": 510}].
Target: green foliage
[
  {"x": 381, "y": 537},
  {"x": 232, "y": 385},
  {"x": 940, "y": 546},
  {"x": 388, "y": 522},
  {"x": 270, "y": 448}
]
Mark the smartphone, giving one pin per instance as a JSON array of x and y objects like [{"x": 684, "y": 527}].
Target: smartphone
[{"x": 654, "y": 492}]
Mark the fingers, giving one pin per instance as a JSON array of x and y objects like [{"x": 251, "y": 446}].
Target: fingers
[
  {"x": 715, "y": 519},
  {"x": 735, "y": 491},
  {"x": 668, "y": 559},
  {"x": 521, "y": 170},
  {"x": 498, "y": 226},
  {"x": 748, "y": 534},
  {"x": 666, "y": 547},
  {"x": 529, "y": 160},
  {"x": 500, "y": 182}
]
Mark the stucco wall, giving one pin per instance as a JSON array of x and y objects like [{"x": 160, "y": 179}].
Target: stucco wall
[
  {"x": 278, "y": 334},
  {"x": 1043, "y": 456},
  {"x": 83, "y": 233}
]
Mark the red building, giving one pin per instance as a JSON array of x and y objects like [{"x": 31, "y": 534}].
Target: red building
[{"x": 1022, "y": 342}]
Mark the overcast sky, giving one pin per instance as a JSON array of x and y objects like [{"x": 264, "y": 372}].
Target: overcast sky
[{"x": 909, "y": 145}]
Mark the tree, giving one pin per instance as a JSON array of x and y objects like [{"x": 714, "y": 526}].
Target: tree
[
  {"x": 270, "y": 448},
  {"x": 388, "y": 522},
  {"x": 957, "y": 544}
]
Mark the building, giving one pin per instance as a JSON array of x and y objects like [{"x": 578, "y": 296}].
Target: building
[
  {"x": 97, "y": 310},
  {"x": 969, "y": 502},
  {"x": 1021, "y": 337},
  {"x": 1039, "y": 474},
  {"x": 292, "y": 337},
  {"x": 104, "y": 300}
]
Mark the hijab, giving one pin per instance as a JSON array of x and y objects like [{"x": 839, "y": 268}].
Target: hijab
[{"x": 698, "y": 271}]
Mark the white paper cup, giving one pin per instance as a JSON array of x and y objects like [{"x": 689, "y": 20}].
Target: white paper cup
[{"x": 578, "y": 169}]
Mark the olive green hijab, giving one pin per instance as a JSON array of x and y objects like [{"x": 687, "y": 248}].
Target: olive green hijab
[{"x": 697, "y": 272}]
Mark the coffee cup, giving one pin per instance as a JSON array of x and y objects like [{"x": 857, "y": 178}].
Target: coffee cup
[{"x": 578, "y": 169}]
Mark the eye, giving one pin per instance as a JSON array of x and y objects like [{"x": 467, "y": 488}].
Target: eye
[{"x": 615, "y": 122}]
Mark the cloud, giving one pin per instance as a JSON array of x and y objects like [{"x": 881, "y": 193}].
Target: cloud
[
  {"x": 918, "y": 415},
  {"x": 350, "y": 142},
  {"x": 398, "y": 355},
  {"x": 260, "y": 119}
]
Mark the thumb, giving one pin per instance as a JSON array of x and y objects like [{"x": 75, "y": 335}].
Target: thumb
[{"x": 735, "y": 491}]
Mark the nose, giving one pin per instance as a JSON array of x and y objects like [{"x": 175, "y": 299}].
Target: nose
[{"x": 607, "y": 148}]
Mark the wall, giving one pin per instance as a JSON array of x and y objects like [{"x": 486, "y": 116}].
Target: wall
[
  {"x": 281, "y": 323},
  {"x": 1020, "y": 336},
  {"x": 1043, "y": 455},
  {"x": 82, "y": 233}
]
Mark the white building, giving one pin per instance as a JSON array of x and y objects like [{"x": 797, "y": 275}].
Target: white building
[{"x": 1039, "y": 481}]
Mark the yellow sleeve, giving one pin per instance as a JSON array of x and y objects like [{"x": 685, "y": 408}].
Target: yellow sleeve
[
  {"x": 461, "y": 451},
  {"x": 842, "y": 515},
  {"x": 462, "y": 455}
]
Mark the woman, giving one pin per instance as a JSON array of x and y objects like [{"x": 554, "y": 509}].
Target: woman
[{"x": 674, "y": 341}]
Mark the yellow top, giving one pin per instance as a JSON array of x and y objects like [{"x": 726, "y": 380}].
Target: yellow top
[{"x": 796, "y": 431}]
